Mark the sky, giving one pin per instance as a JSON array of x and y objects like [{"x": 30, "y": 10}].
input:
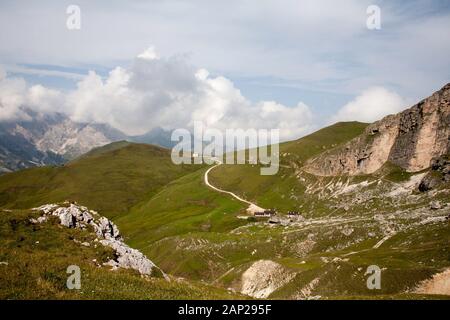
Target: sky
[{"x": 292, "y": 65}]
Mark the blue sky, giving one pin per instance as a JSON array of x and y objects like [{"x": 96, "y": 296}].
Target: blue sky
[{"x": 319, "y": 53}]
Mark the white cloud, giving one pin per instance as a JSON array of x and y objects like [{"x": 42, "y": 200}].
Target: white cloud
[
  {"x": 12, "y": 96},
  {"x": 149, "y": 54},
  {"x": 170, "y": 93},
  {"x": 322, "y": 43},
  {"x": 45, "y": 100},
  {"x": 319, "y": 45},
  {"x": 15, "y": 95},
  {"x": 2, "y": 74},
  {"x": 371, "y": 105},
  {"x": 157, "y": 92}
]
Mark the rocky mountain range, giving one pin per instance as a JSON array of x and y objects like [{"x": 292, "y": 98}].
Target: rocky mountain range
[
  {"x": 410, "y": 139},
  {"x": 53, "y": 139}
]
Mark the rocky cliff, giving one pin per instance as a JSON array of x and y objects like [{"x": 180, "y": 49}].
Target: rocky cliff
[{"x": 410, "y": 139}]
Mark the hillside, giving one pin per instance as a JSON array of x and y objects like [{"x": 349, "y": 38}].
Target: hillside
[
  {"x": 410, "y": 140},
  {"x": 394, "y": 147},
  {"x": 391, "y": 218},
  {"x": 23, "y": 246},
  {"x": 275, "y": 191},
  {"x": 347, "y": 223},
  {"x": 109, "y": 179}
]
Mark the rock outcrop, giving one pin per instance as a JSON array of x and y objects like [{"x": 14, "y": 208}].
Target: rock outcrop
[
  {"x": 439, "y": 174},
  {"x": 264, "y": 277},
  {"x": 438, "y": 284},
  {"x": 410, "y": 139},
  {"x": 75, "y": 216}
]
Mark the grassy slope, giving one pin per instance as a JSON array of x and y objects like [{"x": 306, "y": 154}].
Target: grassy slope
[
  {"x": 184, "y": 205},
  {"x": 326, "y": 138},
  {"x": 281, "y": 191},
  {"x": 191, "y": 231},
  {"x": 187, "y": 211},
  {"x": 23, "y": 248},
  {"x": 183, "y": 208},
  {"x": 110, "y": 179},
  {"x": 136, "y": 185},
  {"x": 187, "y": 208}
]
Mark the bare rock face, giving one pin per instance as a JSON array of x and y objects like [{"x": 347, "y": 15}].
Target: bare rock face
[
  {"x": 49, "y": 139},
  {"x": 424, "y": 132},
  {"x": 435, "y": 205},
  {"x": 439, "y": 174},
  {"x": 410, "y": 139},
  {"x": 129, "y": 258},
  {"x": 72, "y": 139},
  {"x": 75, "y": 216},
  {"x": 438, "y": 284},
  {"x": 264, "y": 277},
  {"x": 442, "y": 165}
]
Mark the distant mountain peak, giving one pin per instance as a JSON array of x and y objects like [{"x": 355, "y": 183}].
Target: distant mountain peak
[
  {"x": 49, "y": 139},
  {"x": 53, "y": 138}
]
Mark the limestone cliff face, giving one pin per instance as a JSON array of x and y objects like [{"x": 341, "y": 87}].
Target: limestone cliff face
[{"x": 410, "y": 139}]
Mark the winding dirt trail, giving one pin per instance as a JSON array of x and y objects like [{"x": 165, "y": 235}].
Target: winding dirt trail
[{"x": 252, "y": 206}]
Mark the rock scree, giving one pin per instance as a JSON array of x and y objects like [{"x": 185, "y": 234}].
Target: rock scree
[{"x": 264, "y": 277}]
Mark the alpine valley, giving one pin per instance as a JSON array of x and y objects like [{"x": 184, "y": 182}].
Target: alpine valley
[{"x": 346, "y": 198}]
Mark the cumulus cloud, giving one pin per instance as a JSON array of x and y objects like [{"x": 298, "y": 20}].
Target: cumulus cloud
[
  {"x": 12, "y": 97},
  {"x": 316, "y": 45},
  {"x": 157, "y": 92},
  {"x": 170, "y": 93},
  {"x": 371, "y": 105},
  {"x": 149, "y": 54},
  {"x": 16, "y": 95},
  {"x": 45, "y": 100}
]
